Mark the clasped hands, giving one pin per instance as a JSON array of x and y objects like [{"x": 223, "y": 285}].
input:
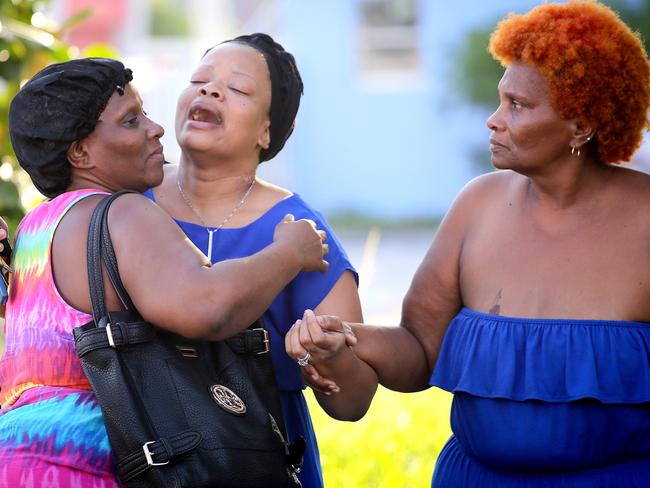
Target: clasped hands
[{"x": 315, "y": 342}]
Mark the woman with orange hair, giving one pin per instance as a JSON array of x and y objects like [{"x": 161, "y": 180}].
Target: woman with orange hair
[{"x": 532, "y": 305}]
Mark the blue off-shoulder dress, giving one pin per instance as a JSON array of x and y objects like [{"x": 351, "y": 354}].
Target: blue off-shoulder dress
[
  {"x": 541, "y": 403},
  {"x": 306, "y": 291}
]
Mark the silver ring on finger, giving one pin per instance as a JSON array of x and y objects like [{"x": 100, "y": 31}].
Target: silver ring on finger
[{"x": 302, "y": 362}]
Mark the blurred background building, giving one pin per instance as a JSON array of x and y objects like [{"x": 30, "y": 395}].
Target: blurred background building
[
  {"x": 392, "y": 122},
  {"x": 381, "y": 132}
]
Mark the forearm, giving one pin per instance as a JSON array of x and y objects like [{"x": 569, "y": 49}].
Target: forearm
[
  {"x": 252, "y": 284},
  {"x": 247, "y": 287},
  {"x": 357, "y": 382},
  {"x": 395, "y": 354}
]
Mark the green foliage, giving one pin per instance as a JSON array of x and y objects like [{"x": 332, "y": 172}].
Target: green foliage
[
  {"x": 636, "y": 15},
  {"x": 29, "y": 41},
  {"x": 477, "y": 75},
  {"x": 169, "y": 18},
  {"x": 10, "y": 208},
  {"x": 361, "y": 222},
  {"x": 24, "y": 49},
  {"x": 394, "y": 446}
]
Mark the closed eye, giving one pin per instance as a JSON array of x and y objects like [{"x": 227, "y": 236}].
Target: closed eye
[
  {"x": 132, "y": 121},
  {"x": 237, "y": 90}
]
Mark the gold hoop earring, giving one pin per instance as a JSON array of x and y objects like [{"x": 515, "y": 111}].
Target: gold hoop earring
[{"x": 573, "y": 151}]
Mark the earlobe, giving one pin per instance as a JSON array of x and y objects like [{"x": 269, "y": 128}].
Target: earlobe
[
  {"x": 582, "y": 135},
  {"x": 264, "y": 140},
  {"x": 78, "y": 156}
]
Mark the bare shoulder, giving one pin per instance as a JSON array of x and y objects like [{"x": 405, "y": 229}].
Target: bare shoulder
[
  {"x": 627, "y": 179},
  {"x": 140, "y": 227},
  {"x": 73, "y": 228},
  {"x": 629, "y": 191},
  {"x": 631, "y": 197},
  {"x": 272, "y": 189},
  {"x": 134, "y": 209},
  {"x": 488, "y": 184},
  {"x": 270, "y": 194},
  {"x": 487, "y": 190}
]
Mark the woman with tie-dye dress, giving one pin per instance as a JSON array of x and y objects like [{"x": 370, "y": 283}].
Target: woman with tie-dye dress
[{"x": 79, "y": 130}]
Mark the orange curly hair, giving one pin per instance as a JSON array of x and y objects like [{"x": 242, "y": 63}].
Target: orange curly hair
[{"x": 596, "y": 68}]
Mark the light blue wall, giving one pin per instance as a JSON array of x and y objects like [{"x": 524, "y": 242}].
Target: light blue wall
[{"x": 397, "y": 151}]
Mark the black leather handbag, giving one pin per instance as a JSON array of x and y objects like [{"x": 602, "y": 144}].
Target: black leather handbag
[{"x": 179, "y": 412}]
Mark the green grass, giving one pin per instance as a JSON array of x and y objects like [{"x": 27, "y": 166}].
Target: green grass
[
  {"x": 351, "y": 220},
  {"x": 395, "y": 445}
]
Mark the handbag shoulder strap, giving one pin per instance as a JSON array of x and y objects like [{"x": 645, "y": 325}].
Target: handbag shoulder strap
[
  {"x": 110, "y": 261},
  {"x": 99, "y": 245}
]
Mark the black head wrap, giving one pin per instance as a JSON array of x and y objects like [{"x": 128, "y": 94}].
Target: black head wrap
[
  {"x": 59, "y": 105},
  {"x": 286, "y": 89}
]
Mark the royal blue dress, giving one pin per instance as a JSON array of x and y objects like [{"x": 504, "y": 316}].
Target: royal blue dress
[
  {"x": 545, "y": 403},
  {"x": 306, "y": 291}
]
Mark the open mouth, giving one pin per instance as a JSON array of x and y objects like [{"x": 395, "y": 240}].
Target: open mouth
[{"x": 202, "y": 114}]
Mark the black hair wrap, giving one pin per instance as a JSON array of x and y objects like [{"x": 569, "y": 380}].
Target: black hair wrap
[
  {"x": 59, "y": 105},
  {"x": 286, "y": 89}
]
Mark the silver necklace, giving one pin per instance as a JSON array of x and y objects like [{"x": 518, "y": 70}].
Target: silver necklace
[{"x": 211, "y": 232}]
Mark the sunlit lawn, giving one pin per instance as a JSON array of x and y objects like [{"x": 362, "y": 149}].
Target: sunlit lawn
[{"x": 395, "y": 445}]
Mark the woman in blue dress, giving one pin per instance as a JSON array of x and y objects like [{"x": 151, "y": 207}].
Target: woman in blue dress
[
  {"x": 532, "y": 305},
  {"x": 236, "y": 112}
]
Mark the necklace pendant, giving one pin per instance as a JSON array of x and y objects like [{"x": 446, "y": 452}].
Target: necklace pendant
[
  {"x": 210, "y": 240},
  {"x": 188, "y": 202}
]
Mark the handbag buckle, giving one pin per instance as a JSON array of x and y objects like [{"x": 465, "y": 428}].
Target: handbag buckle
[
  {"x": 149, "y": 455},
  {"x": 266, "y": 341},
  {"x": 109, "y": 333}
]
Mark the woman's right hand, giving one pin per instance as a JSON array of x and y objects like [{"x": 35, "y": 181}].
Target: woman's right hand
[{"x": 305, "y": 239}]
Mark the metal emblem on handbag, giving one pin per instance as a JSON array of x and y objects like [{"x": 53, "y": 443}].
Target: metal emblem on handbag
[
  {"x": 228, "y": 399},
  {"x": 152, "y": 386}
]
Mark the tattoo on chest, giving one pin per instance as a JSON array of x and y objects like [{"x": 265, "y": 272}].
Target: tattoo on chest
[{"x": 496, "y": 308}]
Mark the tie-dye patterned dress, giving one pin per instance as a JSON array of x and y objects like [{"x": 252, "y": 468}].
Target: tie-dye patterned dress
[{"x": 51, "y": 429}]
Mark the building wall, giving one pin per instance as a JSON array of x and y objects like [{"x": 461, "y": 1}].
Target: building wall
[{"x": 393, "y": 147}]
